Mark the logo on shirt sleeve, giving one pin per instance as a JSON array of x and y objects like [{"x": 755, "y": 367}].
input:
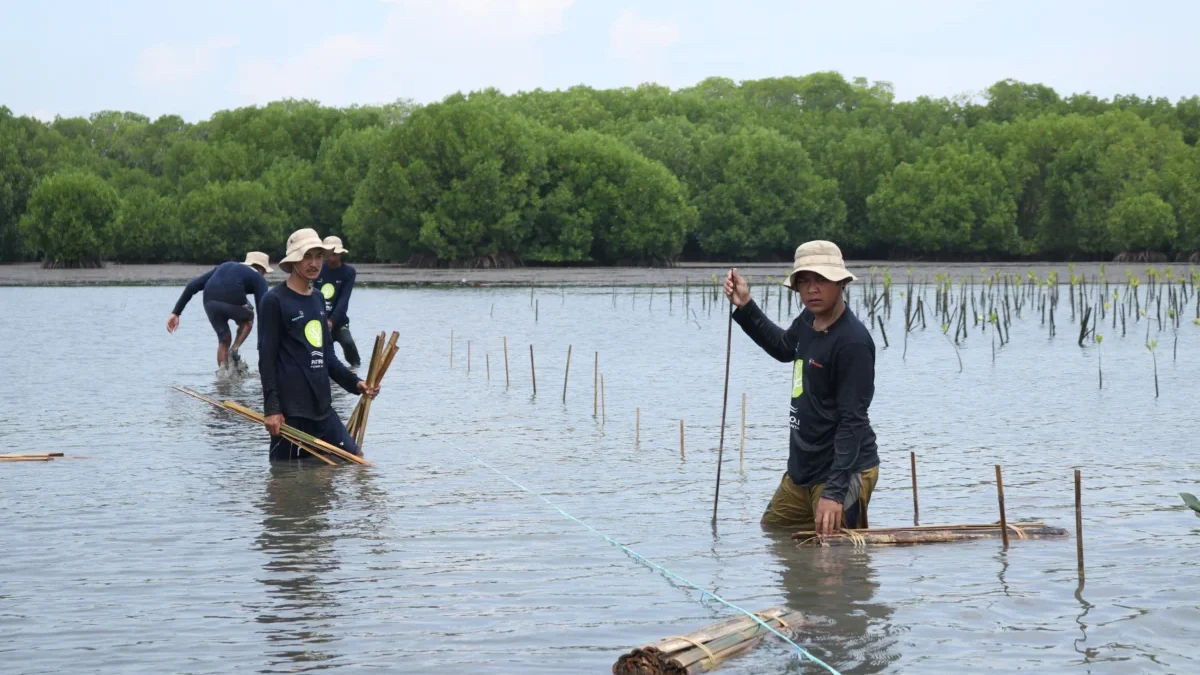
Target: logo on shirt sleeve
[{"x": 314, "y": 334}]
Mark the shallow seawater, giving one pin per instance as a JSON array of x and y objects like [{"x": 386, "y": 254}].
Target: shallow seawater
[{"x": 165, "y": 542}]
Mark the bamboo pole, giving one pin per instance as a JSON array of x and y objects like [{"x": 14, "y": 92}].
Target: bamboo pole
[
  {"x": 26, "y": 459},
  {"x": 742, "y": 443},
  {"x": 312, "y": 440},
  {"x": 681, "y": 456},
  {"x": 566, "y": 374},
  {"x": 31, "y": 454},
  {"x": 283, "y": 430},
  {"x": 916, "y": 506},
  {"x": 724, "y": 408},
  {"x": 1000, "y": 495},
  {"x": 487, "y": 362},
  {"x": 532, "y": 370},
  {"x": 506, "y": 362},
  {"x": 1079, "y": 522}
]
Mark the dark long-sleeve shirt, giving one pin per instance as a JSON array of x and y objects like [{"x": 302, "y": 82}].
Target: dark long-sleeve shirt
[
  {"x": 335, "y": 286},
  {"x": 833, "y": 382},
  {"x": 295, "y": 355},
  {"x": 228, "y": 282}
]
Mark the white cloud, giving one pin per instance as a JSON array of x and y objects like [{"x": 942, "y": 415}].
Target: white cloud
[
  {"x": 317, "y": 72},
  {"x": 166, "y": 65},
  {"x": 633, "y": 37},
  {"x": 424, "y": 50}
]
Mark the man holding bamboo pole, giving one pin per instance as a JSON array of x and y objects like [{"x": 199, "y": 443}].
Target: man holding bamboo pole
[
  {"x": 833, "y": 463},
  {"x": 296, "y": 358}
]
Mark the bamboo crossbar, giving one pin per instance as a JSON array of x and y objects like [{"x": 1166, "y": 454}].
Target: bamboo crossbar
[{"x": 928, "y": 534}]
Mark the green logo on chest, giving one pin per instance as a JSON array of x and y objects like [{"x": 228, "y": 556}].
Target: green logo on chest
[{"x": 797, "y": 378}]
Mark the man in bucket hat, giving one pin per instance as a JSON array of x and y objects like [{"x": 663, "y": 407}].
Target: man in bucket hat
[
  {"x": 833, "y": 463},
  {"x": 225, "y": 288},
  {"x": 296, "y": 360},
  {"x": 335, "y": 283}
]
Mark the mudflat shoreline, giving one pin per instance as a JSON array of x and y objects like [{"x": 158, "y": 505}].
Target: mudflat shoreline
[{"x": 374, "y": 274}]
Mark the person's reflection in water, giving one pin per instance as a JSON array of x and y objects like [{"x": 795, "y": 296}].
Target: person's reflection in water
[
  {"x": 833, "y": 588},
  {"x": 301, "y": 617}
]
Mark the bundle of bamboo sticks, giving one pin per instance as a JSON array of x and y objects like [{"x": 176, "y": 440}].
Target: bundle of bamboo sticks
[
  {"x": 706, "y": 649},
  {"x": 928, "y": 534},
  {"x": 30, "y": 457},
  {"x": 312, "y": 445},
  {"x": 381, "y": 360}
]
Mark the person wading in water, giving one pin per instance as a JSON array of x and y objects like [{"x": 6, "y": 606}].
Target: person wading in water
[
  {"x": 296, "y": 360},
  {"x": 833, "y": 460},
  {"x": 225, "y": 289},
  {"x": 335, "y": 283}
]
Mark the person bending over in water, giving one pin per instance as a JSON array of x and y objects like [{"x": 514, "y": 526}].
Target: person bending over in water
[
  {"x": 225, "y": 289},
  {"x": 296, "y": 360},
  {"x": 833, "y": 463}
]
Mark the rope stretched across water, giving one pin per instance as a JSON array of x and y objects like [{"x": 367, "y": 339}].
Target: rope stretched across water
[{"x": 801, "y": 652}]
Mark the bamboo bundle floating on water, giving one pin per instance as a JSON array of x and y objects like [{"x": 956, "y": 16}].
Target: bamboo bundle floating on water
[
  {"x": 927, "y": 534},
  {"x": 706, "y": 649}
]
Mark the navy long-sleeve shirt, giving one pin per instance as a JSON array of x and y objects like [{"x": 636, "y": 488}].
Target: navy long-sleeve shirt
[
  {"x": 295, "y": 356},
  {"x": 228, "y": 282},
  {"x": 335, "y": 285},
  {"x": 833, "y": 382}
]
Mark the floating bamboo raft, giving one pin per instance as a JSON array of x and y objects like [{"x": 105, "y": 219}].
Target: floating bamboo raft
[
  {"x": 928, "y": 534},
  {"x": 705, "y": 649},
  {"x": 30, "y": 457},
  {"x": 314, "y": 446}
]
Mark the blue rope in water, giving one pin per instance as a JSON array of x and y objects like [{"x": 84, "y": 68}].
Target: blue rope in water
[{"x": 801, "y": 653}]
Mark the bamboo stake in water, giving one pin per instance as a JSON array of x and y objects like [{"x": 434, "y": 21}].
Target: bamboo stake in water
[
  {"x": 532, "y": 370},
  {"x": 596, "y": 386},
  {"x": 681, "y": 438},
  {"x": 1000, "y": 494},
  {"x": 487, "y": 363},
  {"x": 566, "y": 374},
  {"x": 916, "y": 507},
  {"x": 742, "y": 444},
  {"x": 724, "y": 408},
  {"x": 1079, "y": 523},
  {"x": 506, "y": 362}
]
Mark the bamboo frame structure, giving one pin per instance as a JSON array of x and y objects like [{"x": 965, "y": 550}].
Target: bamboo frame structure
[
  {"x": 927, "y": 534},
  {"x": 704, "y": 650}
]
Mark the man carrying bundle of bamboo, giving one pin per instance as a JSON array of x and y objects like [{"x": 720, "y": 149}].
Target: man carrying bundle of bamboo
[
  {"x": 225, "y": 289},
  {"x": 335, "y": 283},
  {"x": 296, "y": 360},
  {"x": 833, "y": 463}
]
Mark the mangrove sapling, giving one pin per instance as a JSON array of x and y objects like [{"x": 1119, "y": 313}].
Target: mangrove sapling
[
  {"x": 1175, "y": 348},
  {"x": 1151, "y": 345},
  {"x": 1100, "y": 358},
  {"x": 946, "y": 334}
]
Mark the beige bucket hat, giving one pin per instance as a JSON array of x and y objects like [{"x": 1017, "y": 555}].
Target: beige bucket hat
[
  {"x": 336, "y": 243},
  {"x": 301, "y": 242},
  {"x": 259, "y": 258},
  {"x": 821, "y": 257}
]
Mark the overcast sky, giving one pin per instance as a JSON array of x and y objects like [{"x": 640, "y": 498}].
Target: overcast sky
[{"x": 193, "y": 57}]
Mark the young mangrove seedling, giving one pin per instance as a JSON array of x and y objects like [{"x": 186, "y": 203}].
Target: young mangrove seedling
[
  {"x": 1151, "y": 345},
  {"x": 1100, "y": 359}
]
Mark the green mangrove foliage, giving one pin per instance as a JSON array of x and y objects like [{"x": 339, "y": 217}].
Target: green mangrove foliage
[{"x": 647, "y": 175}]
